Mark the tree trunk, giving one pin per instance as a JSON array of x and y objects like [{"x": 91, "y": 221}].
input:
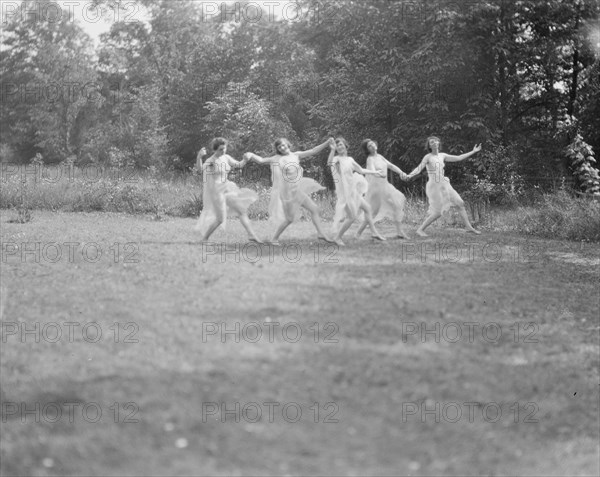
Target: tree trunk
[{"x": 573, "y": 92}]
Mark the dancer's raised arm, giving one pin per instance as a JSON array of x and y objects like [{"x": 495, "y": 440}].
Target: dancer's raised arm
[
  {"x": 331, "y": 154},
  {"x": 462, "y": 157},
  {"x": 201, "y": 154},
  {"x": 315, "y": 150}
]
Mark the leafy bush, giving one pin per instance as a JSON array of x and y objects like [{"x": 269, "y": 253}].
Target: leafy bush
[
  {"x": 494, "y": 176},
  {"x": 191, "y": 207},
  {"x": 259, "y": 210},
  {"x": 582, "y": 160},
  {"x": 7, "y": 153}
]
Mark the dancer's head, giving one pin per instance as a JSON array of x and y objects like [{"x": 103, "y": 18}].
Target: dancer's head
[
  {"x": 341, "y": 146},
  {"x": 282, "y": 146},
  {"x": 431, "y": 140},
  {"x": 369, "y": 146},
  {"x": 219, "y": 144}
]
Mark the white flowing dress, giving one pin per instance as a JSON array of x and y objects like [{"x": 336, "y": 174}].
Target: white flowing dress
[
  {"x": 290, "y": 189},
  {"x": 440, "y": 194},
  {"x": 385, "y": 200},
  {"x": 221, "y": 197},
  {"x": 350, "y": 187}
]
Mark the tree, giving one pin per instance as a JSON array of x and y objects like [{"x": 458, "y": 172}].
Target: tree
[{"x": 48, "y": 83}]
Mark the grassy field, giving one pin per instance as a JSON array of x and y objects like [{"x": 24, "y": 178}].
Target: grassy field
[{"x": 156, "y": 355}]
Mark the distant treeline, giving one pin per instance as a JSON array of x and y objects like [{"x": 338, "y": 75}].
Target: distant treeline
[{"x": 523, "y": 78}]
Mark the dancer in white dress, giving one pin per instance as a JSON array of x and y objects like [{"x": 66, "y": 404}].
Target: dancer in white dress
[
  {"x": 350, "y": 188},
  {"x": 440, "y": 194},
  {"x": 290, "y": 190},
  {"x": 385, "y": 200},
  {"x": 220, "y": 196}
]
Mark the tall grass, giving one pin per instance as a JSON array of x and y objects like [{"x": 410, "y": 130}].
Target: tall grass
[
  {"x": 557, "y": 215},
  {"x": 79, "y": 190}
]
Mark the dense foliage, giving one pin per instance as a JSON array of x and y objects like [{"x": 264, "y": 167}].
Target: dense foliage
[{"x": 507, "y": 73}]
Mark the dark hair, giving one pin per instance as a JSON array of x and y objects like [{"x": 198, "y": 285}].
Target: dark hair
[
  {"x": 427, "y": 148},
  {"x": 281, "y": 141},
  {"x": 218, "y": 142},
  {"x": 363, "y": 145},
  {"x": 343, "y": 141}
]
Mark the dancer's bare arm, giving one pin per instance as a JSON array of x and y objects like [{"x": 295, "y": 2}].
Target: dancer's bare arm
[
  {"x": 356, "y": 167},
  {"x": 261, "y": 160},
  {"x": 330, "y": 161},
  {"x": 237, "y": 164},
  {"x": 462, "y": 157},
  {"x": 417, "y": 170},
  {"x": 315, "y": 150},
  {"x": 201, "y": 154},
  {"x": 396, "y": 169}
]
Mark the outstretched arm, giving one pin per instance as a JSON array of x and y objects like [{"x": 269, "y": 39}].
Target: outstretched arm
[
  {"x": 237, "y": 164},
  {"x": 462, "y": 157},
  {"x": 315, "y": 150},
  {"x": 397, "y": 170},
  {"x": 417, "y": 170},
  {"x": 249, "y": 156},
  {"x": 356, "y": 167}
]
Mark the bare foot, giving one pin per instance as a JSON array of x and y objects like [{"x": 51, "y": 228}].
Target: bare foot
[
  {"x": 339, "y": 242},
  {"x": 474, "y": 231},
  {"x": 255, "y": 240},
  {"x": 326, "y": 239},
  {"x": 275, "y": 243},
  {"x": 378, "y": 237},
  {"x": 420, "y": 233},
  {"x": 404, "y": 237}
]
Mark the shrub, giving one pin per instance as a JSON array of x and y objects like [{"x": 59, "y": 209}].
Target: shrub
[
  {"x": 259, "y": 210},
  {"x": 582, "y": 160},
  {"x": 191, "y": 207},
  {"x": 7, "y": 153},
  {"x": 494, "y": 177}
]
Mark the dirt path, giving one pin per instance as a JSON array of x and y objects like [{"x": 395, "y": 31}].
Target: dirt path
[{"x": 455, "y": 355}]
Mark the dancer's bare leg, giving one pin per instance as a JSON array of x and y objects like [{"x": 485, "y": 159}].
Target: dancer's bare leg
[
  {"x": 362, "y": 228},
  {"x": 314, "y": 214},
  {"x": 246, "y": 223},
  {"x": 212, "y": 227},
  {"x": 463, "y": 213},
  {"x": 431, "y": 218},
  {"x": 350, "y": 218},
  {"x": 369, "y": 219},
  {"x": 400, "y": 230},
  {"x": 374, "y": 211},
  {"x": 345, "y": 226},
  {"x": 284, "y": 225}
]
